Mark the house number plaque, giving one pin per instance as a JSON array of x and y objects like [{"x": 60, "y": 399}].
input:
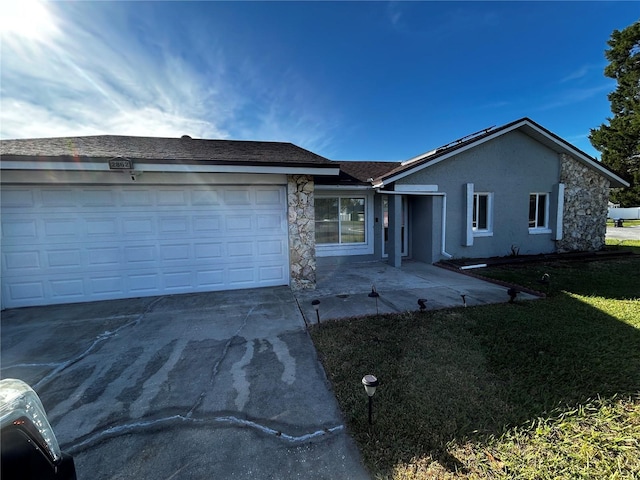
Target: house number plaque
[{"x": 120, "y": 164}]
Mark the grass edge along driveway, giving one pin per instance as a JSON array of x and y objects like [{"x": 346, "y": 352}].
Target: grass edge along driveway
[{"x": 539, "y": 389}]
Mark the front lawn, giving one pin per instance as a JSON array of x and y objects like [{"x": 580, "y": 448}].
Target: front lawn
[{"x": 536, "y": 389}]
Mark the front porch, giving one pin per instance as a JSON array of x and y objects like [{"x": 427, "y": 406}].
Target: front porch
[{"x": 343, "y": 289}]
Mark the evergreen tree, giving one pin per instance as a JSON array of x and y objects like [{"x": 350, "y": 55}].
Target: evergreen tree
[{"x": 619, "y": 142}]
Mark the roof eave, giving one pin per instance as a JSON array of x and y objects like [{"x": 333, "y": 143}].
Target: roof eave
[
  {"x": 566, "y": 147},
  {"x": 171, "y": 167}
]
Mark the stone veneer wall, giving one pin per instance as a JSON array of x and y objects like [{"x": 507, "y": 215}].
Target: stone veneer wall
[
  {"x": 586, "y": 196},
  {"x": 302, "y": 231}
]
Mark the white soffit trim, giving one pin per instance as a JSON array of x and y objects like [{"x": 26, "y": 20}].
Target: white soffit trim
[
  {"x": 178, "y": 168},
  {"x": 416, "y": 188}
]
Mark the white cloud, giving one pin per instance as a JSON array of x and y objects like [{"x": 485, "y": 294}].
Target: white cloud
[
  {"x": 104, "y": 69},
  {"x": 582, "y": 72},
  {"x": 572, "y": 96}
]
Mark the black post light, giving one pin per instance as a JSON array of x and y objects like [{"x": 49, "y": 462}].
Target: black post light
[
  {"x": 316, "y": 307},
  {"x": 374, "y": 294},
  {"x": 370, "y": 383}
]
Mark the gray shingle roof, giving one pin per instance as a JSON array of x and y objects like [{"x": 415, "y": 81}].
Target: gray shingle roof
[
  {"x": 365, "y": 171},
  {"x": 169, "y": 150}
]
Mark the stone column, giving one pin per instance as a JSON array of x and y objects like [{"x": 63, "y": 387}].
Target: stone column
[
  {"x": 586, "y": 196},
  {"x": 302, "y": 231}
]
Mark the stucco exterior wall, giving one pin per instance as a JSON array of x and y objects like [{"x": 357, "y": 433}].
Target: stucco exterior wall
[
  {"x": 511, "y": 167},
  {"x": 586, "y": 197},
  {"x": 302, "y": 235}
]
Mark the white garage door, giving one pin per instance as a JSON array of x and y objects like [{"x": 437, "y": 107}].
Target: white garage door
[{"x": 81, "y": 243}]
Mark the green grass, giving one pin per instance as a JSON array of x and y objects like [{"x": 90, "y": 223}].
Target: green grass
[
  {"x": 536, "y": 389},
  {"x": 631, "y": 245}
]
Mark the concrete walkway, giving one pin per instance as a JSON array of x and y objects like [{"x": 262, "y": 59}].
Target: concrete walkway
[{"x": 343, "y": 289}]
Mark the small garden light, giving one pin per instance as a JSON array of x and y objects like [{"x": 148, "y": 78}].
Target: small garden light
[
  {"x": 374, "y": 294},
  {"x": 316, "y": 307},
  {"x": 370, "y": 383}
]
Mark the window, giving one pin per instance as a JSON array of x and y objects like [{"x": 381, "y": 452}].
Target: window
[
  {"x": 538, "y": 211},
  {"x": 480, "y": 211},
  {"x": 340, "y": 220},
  {"x": 482, "y": 221}
]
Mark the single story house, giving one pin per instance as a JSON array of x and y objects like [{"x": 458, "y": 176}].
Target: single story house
[
  {"x": 104, "y": 217},
  {"x": 514, "y": 189}
]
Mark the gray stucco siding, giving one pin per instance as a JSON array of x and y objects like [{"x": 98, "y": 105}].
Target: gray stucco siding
[{"x": 510, "y": 167}]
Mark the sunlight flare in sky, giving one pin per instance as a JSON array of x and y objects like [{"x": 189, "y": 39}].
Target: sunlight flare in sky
[
  {"x": 27, "y": 20},
  {"x": 347, "y": 80}
]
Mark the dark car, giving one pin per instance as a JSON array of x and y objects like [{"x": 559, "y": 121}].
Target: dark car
[{"x": 30, "y": 450}]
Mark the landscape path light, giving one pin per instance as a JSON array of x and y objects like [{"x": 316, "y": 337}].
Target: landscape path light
[
  {"x": 370, "y": 383},
  {"x": 374, "y": 294},
  {"x": 316, "y": 307}
]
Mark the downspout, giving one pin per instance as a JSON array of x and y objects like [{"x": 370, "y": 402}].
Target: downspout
[{"x": 443, "y": 251}]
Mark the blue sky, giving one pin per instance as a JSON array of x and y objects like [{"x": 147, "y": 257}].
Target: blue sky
[{"x": 346, "y": 80}]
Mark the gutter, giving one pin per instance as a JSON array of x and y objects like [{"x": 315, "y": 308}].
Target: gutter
[{"x": 443, "y": 251}]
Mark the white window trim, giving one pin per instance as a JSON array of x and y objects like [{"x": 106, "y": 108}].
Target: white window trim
[
  {"x": 340, "y": 249},
  {"x": 484, "y": 232},
  {"x": 545, "y": 228}
]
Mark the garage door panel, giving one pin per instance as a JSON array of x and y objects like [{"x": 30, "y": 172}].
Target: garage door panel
[
  {"x": 66, "y": 244},
  {"x": 271, "y": 247},
  {"x": 176, "y": 252},
  {"x": 237, "y": 196},
  {"x": 18, "y": 230},
  {"x": 205, "y": 197},
  {"x": 29, "y": 292},
  {"x": 142, "y": 197},
  {"x": 209, "y": 251},
  {"x": 17, "y": 198},
  {"x": 238, "y": 223},
  {"x": 139, "y": 225},
  {"x": 210, "y": 279},
  {"x": 68, "y": 289},
  {"x": 68, "y": 258},
  {"x": 102, "y": 227},
  {"x": 60, "y": 197},
  {"x": 271, "y": 273},
  {"x": 173, "y": 197},
  {"x": 106, "y": 286},
  {"x": 268, "y": 197},
  {"x": 100, "y": 257},
  {"x": 21, "y": 261},
  {"x": 98, "y": 198},
  {"x": 209, "y": 223}
]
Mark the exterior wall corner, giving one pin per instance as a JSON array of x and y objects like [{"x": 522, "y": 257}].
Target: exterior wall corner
[
  {"x": 301, "y": 227},
  {"x": 586, "y": 195}
]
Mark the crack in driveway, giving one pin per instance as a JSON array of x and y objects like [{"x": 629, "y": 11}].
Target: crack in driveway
[
  {"x": 226, "y": 420},
  {"x": 99, "y": 339}
]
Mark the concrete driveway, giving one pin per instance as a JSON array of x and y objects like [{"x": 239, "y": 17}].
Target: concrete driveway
[{"x": 216, "y": 385}]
